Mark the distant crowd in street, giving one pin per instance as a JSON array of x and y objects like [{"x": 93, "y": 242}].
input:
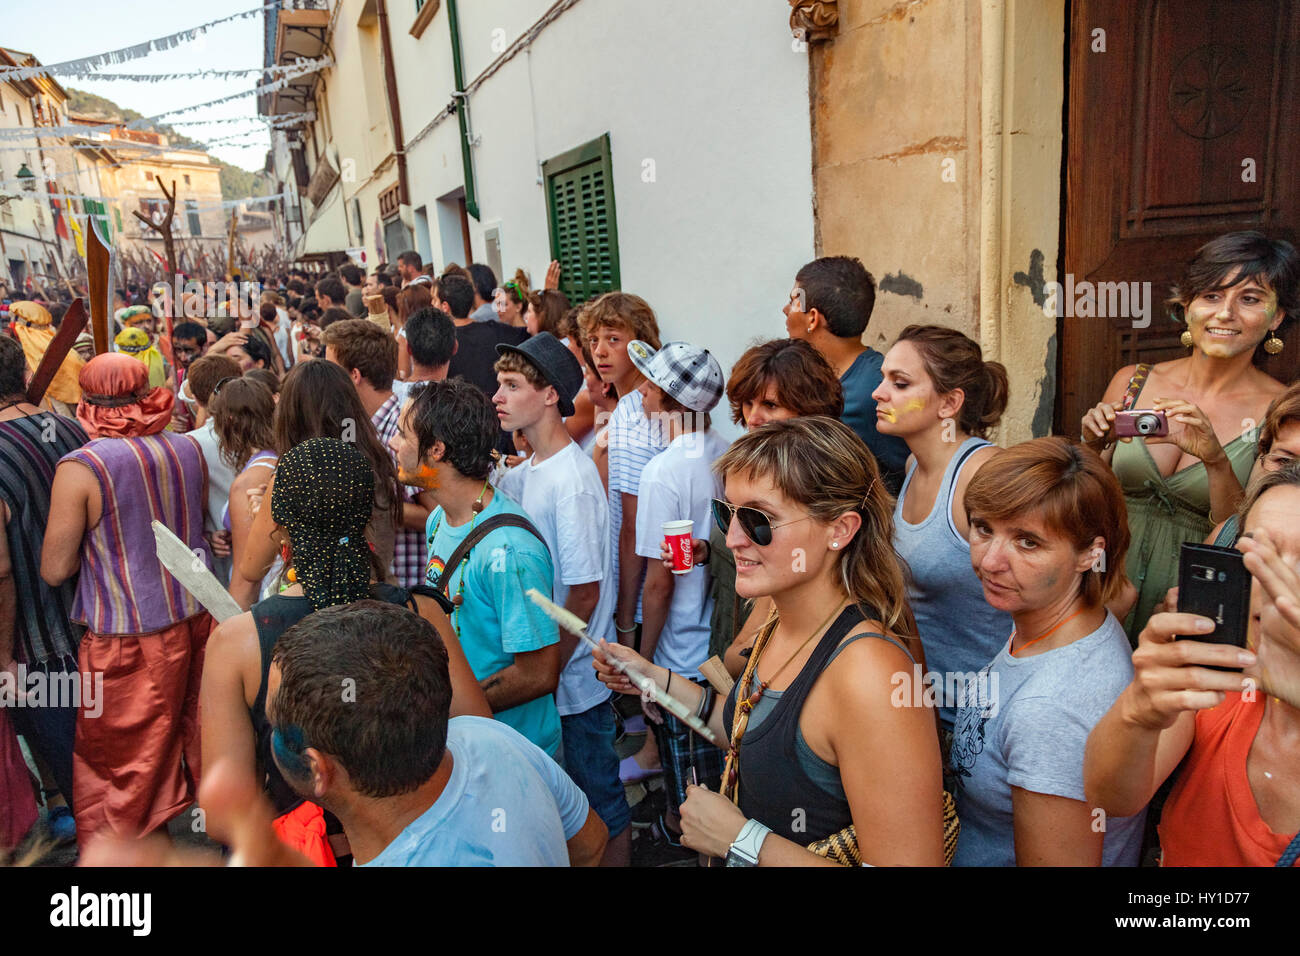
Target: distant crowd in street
[{"x": 901, "y": 644}]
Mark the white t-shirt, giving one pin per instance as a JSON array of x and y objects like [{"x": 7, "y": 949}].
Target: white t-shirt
[
  {"x": 632, "y": 440},
  {"x": 284, "y": 335},
  {"x": 566, "y": 501},
  {"x": 220, "y": 475},
  {"x": 679, "y": 483}
]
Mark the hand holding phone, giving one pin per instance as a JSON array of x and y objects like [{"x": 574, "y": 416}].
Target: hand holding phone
[{"x": 1214, "y": 583}]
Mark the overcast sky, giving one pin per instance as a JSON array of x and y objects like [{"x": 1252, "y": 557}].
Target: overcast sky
[{"x": 58, "y": 30}]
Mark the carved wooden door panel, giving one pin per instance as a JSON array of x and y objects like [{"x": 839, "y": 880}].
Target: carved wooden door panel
[{"x": 1182, "y": 125}]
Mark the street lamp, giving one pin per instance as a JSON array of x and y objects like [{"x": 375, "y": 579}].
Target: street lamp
[{"x": 28, "y": 178}]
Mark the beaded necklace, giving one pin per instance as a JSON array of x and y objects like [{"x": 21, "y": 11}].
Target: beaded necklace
[{"x": 475, "y": 510}]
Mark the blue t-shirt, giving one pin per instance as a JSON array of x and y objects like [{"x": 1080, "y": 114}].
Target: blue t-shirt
[
  {"x": 863, "y": 378},
  {"x": 505, "y": 804},
  {"x": 1024, "y": 724},
  {"x": 497, "y": 620}
]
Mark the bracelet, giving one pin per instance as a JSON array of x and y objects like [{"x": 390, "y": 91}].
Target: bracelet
[
  {"x": 669, "y": 682},
  {"x": 708, "y": 551},
  {"x": 706, "y": 703},
  {"x": 624, "y": 630}
]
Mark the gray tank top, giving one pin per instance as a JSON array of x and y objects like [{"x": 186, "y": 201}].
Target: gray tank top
[
  {"x": 958, "y": 629},
  {"x": 825, "y": 775}
]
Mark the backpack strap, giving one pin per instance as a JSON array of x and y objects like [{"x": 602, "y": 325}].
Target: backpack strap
[
  {"x": 1135, "y": 385},
  {"x": 478, "y": 534}
]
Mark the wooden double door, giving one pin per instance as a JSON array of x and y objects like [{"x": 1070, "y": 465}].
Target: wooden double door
[{"x": 1183, "y": 123}]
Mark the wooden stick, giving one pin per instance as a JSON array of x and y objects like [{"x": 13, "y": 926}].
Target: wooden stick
[{"x": 575, "y": 625}]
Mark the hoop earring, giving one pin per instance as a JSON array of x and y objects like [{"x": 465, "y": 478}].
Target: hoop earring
[{"x": 1273, "y": 345}]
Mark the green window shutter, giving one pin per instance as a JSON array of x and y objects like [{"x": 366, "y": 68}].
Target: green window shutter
[{"x": 582, "y": 221}]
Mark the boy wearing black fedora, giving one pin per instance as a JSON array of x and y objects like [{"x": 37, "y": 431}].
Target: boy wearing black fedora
[{"x": 560, "y": 489}]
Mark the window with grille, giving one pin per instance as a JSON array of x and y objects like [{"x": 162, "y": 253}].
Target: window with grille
[{"x": 583, "y": 226}]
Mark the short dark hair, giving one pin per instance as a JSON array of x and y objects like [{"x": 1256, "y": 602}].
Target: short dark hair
[
  {"x": 459, "y": 415},
  {"x": 410, "y": 258},
  {"x": 391, "y": 735},
  {"x": 13, "y": 367},
  {"x": 383, "y": 278},
  {"x": 458, "y": 293},
  {"x": 331, "y": 287},
  {"x": 842, "y": 290},
  {"x": 805, "y": 382},
  {"x": 190, "y": 332},
  {"x": 484, "y": 279},
  {"x": 257, "y": 349},
  {"x": 297, "y": 287},
  {"x": 267, "y": 312},
  {"x": 430, "y": 337},
  {"x": 309, "y": 308},
  {"x": 1272, "y": 261},
  {"x": 350, "y": 273},
  {"x": 207, "y": 372},
  {"x": 362, "y": 345},
  {"x": 335, "y": 313}
]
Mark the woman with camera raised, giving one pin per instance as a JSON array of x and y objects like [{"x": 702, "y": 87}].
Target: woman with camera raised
[{"x": 1181, "y": 478}]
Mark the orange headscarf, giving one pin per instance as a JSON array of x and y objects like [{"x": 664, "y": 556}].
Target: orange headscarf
[
  {"x": 116, "y": 401},
  {"x": 35, "y": 333}
]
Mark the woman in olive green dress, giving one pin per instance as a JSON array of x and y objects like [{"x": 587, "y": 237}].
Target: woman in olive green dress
[{"x": 1235, "y": 294}]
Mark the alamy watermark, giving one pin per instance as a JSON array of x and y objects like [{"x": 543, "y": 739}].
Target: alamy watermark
[
  {"x": 954, "y": 689},
  {"x": 1100, "y": 300},
  {"x": 39, "y": 688}
]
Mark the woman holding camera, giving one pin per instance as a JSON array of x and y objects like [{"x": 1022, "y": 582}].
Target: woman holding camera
[{"x": 1235, "y": 294}]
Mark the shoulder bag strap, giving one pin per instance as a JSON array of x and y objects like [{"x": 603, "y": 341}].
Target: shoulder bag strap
[
  {"x": 478, "y": 534},
  {"x": 1135, "y": 385}
]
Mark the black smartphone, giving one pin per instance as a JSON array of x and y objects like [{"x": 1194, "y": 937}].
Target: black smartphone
[{"x": 1214, "y": 582}]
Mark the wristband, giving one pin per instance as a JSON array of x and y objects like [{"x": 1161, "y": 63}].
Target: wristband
[
  {"x": 624, "y": 630},
  {"x": 708, "y": 551},
  {"x": 748, "y": 845}
]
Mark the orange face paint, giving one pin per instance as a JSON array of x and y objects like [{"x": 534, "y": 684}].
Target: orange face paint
[{"x": 423, "y": 477}]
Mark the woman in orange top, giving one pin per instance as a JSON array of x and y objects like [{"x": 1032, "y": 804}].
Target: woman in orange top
[{"x": 1237, "y": 798}]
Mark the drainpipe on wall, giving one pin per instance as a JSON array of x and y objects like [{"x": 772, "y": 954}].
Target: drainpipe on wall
[
  {"x": 462, "y": 111},
  {"x": 394, "y": 107}
]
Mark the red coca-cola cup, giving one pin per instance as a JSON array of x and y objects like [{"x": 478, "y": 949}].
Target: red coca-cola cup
[{"x": 677, "y": 534}]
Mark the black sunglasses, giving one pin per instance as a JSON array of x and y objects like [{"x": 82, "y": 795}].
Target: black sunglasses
[{"x": 757, "y": 526}]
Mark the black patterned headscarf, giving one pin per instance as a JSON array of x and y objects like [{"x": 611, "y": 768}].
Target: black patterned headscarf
[{"x": 323, "y": 496}]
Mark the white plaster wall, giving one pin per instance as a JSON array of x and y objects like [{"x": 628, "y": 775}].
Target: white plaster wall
[{"x": 713, "y": 93}]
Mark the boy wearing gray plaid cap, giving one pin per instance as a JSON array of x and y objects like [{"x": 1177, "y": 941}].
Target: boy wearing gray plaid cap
[{"x": 683, "y": 384}]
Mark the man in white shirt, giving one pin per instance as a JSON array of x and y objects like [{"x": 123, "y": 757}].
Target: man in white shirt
[
  {"x": 560, "y": 489},
  {"x": 682, "y": 385}
]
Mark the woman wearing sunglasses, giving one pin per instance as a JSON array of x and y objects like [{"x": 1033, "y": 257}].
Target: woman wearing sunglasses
[{"x": 817, "y": 745}]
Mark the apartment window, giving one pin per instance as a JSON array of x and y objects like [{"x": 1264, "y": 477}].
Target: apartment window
[
  {"x": 187, "y": 179},
  {"x": 581, "y": 218},
  {"x": 148, "y": 174},
  {"x": 192, "y": 214}
]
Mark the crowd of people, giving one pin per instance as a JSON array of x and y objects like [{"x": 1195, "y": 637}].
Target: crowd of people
[{"x": 908, "y": 644}]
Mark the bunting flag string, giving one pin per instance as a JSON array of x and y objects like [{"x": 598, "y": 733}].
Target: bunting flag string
[
  {"x": 135, "y": 52},
  {"x": 81, "y": 197},
  {"x": 33, "y": 132},
  {"x": 272, "y": 71}
]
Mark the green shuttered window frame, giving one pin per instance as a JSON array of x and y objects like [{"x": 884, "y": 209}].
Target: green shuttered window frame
[{"x": 581, "y": 218}]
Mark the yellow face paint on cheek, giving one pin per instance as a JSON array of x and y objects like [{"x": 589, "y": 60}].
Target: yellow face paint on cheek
[
  {"x": 913, "y": 405},
  {"x": 888, "y": 414}
]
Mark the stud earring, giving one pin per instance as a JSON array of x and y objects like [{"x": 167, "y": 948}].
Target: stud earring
[
  {"x": 1186, "y": 338},
  {"x": 835, "y": 544},
  {"x": 1273, "y": 345}
]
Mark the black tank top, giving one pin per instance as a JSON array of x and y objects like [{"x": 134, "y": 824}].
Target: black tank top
[
  {"x": 773, "y": 781},
  {"x": 273, "y": 616}
]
